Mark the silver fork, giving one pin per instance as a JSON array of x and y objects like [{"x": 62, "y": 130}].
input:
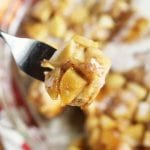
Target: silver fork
[{"x": 28, "y": 54}]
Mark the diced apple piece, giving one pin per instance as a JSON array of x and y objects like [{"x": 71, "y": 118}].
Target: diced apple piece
[
  {"x": 92, "y": 122},
  {"x": 148, "y": 98},
  {"x": 80, "y": 15},
  {"x": 51, "y": 108},
  {"x": 79, "y": 55},
  {"x": 110, "y": 138},
  {"x": 106, "y": 122},
  {"x": 103, "y": 61},
  {"x": 36, "y": 30},
  {"x": 143, "y": 112},
  {"x": 89, "y": 92},
  {"x": 106, "y": 21},
  {"x": 138, "y": 90},
  {"x": 128, "y": 96},
  {"x": 94, "y": 136},
  {"x": 120, "y": 111},
  {"x": 133, "y": 134},
  {"x": 85, "y": 42},
  {"x": 146, "y": 140},
  {"x": 42, "y": 10},
  {"x": 115, "y": 81},
  {"x": 57, "y": 26},
  {"x": 138, "y": 29},
  {"x": 62, "y": 56},
  {"x": 71, "y": 85},
  {"x": 124, "y": 146},
  {"x": 77, "y": 144},
  {"x": 91, "y": 108},
  {"x": 125, "y": 109},
  {"x": 39, "y": 97},
  {"x": 52, "y": 83}
]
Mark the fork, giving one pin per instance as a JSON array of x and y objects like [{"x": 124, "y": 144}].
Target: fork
[{"x": 28, "y": 54}]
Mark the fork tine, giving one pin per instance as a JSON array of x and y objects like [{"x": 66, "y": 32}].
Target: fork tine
[
  {"x": 32, "y": 64},
  {"x": 29, "y": 54}
]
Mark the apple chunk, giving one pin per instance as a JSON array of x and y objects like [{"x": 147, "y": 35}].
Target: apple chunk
[
  {"x": 52, "y": 83},
  {"x": 64, "y": 55},
  {"x": 71, "y": 85}
]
